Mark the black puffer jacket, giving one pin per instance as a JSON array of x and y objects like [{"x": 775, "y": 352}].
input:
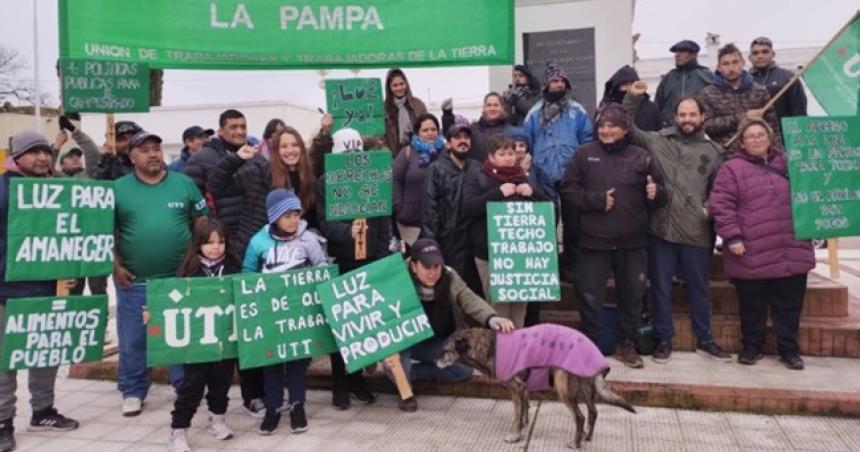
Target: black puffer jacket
[
  {"x": 341, "y": 246},
  {"x": 442, "y": 215},
  {"x": 773, "y": 77},
  {"x": 647, "y": 116},
  {"x": 478, "y": 190},
  {"x": 112, "y": 167},
  {"x": 519, "y": 100},
  {"x": 482, "y": 132},
  {"x": 227, "y": 208}
]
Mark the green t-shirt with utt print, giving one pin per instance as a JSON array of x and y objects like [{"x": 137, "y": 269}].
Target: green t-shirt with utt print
[{"x": 153, "y": 223}]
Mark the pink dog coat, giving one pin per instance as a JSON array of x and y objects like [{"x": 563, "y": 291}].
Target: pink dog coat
[{"x": 543, "y": 346}]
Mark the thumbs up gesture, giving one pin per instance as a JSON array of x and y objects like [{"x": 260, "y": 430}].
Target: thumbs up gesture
[
  {"x": 610, "y": 199},
  {"x": 650, "y": 188}
]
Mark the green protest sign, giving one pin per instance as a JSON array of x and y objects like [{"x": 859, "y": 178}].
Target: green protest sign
[
  {"x": 59, "y": 229},
  {"x": 523, "y": 252},
  {"x": 357, "y": 185},
  {"x": 374, "y": 312},
  {"x": 279, "y": 317},
  {"x": 192, "y": 321},
  {"x": 47, "y": 332},
  {"x": 823, "y": 167},
  {"x": 834, "y": 77},
  {"x": 104, "y": 86},
  {"x": 224, "y": 34},
  {"x": 356, "y": 103}
]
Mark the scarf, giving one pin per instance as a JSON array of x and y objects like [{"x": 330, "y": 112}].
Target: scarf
[
  {"x": 427, "y": 152},
  {"x": 404, "y": 119},
  {"x": 212, "y": 267},
  {"x": 553, "y": 105},
  {"x": 504, "y": 174}
]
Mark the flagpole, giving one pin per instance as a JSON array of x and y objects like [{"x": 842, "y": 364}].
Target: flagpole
[
  {"x": 797, "y": 76},
  {"x": 36, "y": 93}
]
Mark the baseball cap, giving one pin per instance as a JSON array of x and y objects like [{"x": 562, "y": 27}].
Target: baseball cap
[
  {"x": 346, "y": 140},
  {"x": 142, "y": 136},
  {"x": 427, "y": 252},
  {"x": 124, "y": 127},
  {"x": 70, "y": 152},
  {"x": 26, "y": 141},
  {"x": 196, "y": 131}
]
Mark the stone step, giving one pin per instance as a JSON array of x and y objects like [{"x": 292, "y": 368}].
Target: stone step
[
  {"x": 824, "y": 298},
  {"x": 818, "y": 336},
  {"x": 688, "y": 381}
]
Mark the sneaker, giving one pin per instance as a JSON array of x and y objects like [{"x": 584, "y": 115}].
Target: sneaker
[
  {"x": 409, "y": 405},
  {"x": 270, "y": 422},
  {"x": 7, "y": 436},
  {"x": 51, "y": 421},
  {"x": 662, "y": 353},
  {"x": 340, "y": 400},
  {"x": 793, "y": 362},
  {"x": 179, "y": 440},
  {"x": 298, "y": 420},
  {"x": 218, "y": 427},
  {"x": 627, "y": 354},
  {"x": 255, "y": 407},
  {"x": 712, "y": 350},
  {"x": 131, "y": 406},
  {"x": 750, "y": 356},
  {"x": 362, "y": 395}
]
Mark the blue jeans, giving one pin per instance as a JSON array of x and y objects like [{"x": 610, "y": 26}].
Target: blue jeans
[
  {"x": 131, "y": 332},
  {"x": 295, "y": 373},
  {"x": 664, "y": 259},
  {"x": 426, "y": 353}
]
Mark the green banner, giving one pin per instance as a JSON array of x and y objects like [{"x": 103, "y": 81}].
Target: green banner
[
  {"x": 834, "y": 77},
  {"x": 357, "y": 185},
  {"x": 192, "y": 321},
  {"x": 225, "y": 34},
  {"x": 523, "y": 252},
  {"x": 824, "y": 169},
  {"x": 279, "y": 317},
  {"x": 104, "y": 86},
  {"x": 47, "y": 332},
  {"x": 356, "y": 103},
  {"x": 59, "y": 229},
  {"x": 374, "y": 312}
]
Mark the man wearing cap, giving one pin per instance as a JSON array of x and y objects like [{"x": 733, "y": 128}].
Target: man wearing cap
[
  {"x": 115, "y": 162},
  {"x": 556, "y": 126},
  {"x": 92, "y": 153},
  {"x": 687, "y": 79},
  {"x": 449, "y": 305},
  {"x": 441, "y": 215},
  {"x": 71, "y": 164},
  {"x": 193, "y": 139},
  {"x": 765, "y": 72},
  {"x": 155, "y": 209},
  {"x": 31, "y": 154}
]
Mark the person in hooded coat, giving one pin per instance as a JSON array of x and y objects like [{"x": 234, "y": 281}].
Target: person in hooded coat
[
  {"x": 521, "y": 95},
  {"x": 647, "y": 116},
  {"x": 401, "y": 110}
]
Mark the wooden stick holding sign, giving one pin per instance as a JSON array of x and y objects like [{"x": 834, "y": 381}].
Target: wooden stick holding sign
[
  {"x": 833, "y": 257},
  {"x": 396, "y": 367},
  {"x": 361, "y": 239}
]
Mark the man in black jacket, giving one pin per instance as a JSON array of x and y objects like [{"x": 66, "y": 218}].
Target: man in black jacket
[
  {"x": 115, "y": 163},
  {"x": 647, "y": 115},
  {"x": 442, "y": 217},
  {"x": 521, "y": 95},
  {"x": 766, "y": 72},
  {"x": 613, "y": 184},
  {"x": 687, "y": 79}
]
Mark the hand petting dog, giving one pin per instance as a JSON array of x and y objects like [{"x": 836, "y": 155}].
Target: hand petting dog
[{"x": 501, "y": 324}]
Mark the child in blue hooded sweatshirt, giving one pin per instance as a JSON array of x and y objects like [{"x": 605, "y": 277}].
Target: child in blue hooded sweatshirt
[{"x": 283, "y": 244}]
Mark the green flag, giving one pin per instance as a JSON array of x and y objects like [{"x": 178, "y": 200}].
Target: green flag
[{"x": 834, "y": 77}]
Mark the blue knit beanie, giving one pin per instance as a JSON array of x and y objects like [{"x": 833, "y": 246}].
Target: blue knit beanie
[{"x": 281, "y": 201}]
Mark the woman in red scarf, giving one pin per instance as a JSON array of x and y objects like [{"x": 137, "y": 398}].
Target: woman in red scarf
[{"x": 500, "y": 179}]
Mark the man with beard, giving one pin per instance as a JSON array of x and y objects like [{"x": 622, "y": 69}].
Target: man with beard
[
  {"x": 442, "y": 217},
  {"x": 555, "y": 127},
  {"x": 155, "y": 210},
  {"x": 687, "y": 79},
  {"x": 521, "y": 95},
  {"x": 774, "y": 78},
  {"x": 679, "y": 232},
  {"x": 733, "y": 97}
]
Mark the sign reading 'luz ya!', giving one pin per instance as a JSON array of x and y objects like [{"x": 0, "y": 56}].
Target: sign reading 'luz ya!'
[
  {"x": 59, "y": 229},
  {"x": 356, "y": 103}
]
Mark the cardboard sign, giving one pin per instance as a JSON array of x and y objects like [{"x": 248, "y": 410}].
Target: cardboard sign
[
  {"x": 59, "y": 229},
  {"x": 356, "y": 103},
  {"x": 53, "y": 331},
  {"x": 824, "y": 170},
  {"x": 374, "y": 312},
  {"x": 523, "y": 252},
  {"x": 192, "y": 321},
  {"x": 358, "y": 185},
  {"x": 104, "y": 86},
  {"x": 279, "y": 317}
]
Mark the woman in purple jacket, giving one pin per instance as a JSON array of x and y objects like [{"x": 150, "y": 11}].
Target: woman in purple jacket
[{"x": 751, "y": 204}]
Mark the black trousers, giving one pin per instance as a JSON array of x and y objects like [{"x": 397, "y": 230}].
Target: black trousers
[
  {"x": 593, "y": 268},
  {"x": 251, "y": 383},
  {"x": 784, "y": 298},
  {"x": 569, "y": 235},
  {"x": 216, "y": 376},
  {"x": 98, "y": 285},
  {"x": 342, "y": 381}
]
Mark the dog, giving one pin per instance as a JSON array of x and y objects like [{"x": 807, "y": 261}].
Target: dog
[{"x": 476, "y": 347}]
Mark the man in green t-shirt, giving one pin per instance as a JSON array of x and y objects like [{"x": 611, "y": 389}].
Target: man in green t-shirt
[{"x": 155, "y": 211}]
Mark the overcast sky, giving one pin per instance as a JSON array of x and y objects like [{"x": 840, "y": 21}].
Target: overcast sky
[{"x": 790, "y": 23}]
